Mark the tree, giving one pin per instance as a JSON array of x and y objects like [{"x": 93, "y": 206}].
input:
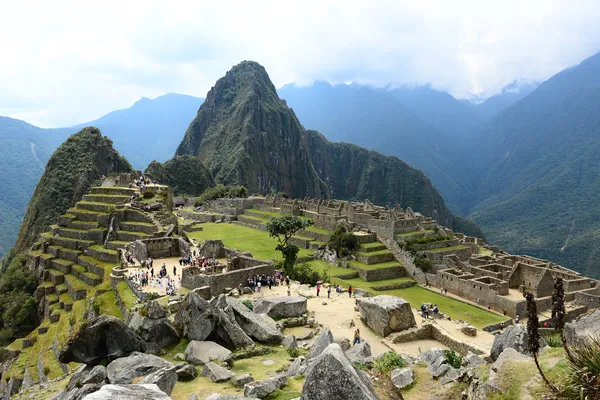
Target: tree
[
  {"x": 558, "y": 313},
  {"x": 533, "y": 334},
  {"x": 283, "y": 228},
  {"x": 343, "y": 242}
]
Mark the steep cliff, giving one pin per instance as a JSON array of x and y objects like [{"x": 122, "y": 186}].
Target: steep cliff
[{"x": 82, "y": 159}]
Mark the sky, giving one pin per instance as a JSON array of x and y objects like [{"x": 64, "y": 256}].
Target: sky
[{"x": 69, "y": 62}]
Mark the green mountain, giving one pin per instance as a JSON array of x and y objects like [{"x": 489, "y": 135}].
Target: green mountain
[
  {"x": 185, "y": 174},
  {"x": 71, "y": 170},
  {"x": 540, "y": 177},
  {"x": 245, "y": 134}
]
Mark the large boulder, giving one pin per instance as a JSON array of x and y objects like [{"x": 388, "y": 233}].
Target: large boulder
[
  {"x": 164, "y": 378},
  {"x": 185, "y": 371},
  {"x": 241, "y": 380},
  {"x": 104, "y": 337},
  {"x": 515, "y": 337},
  {"x": 261, "y": 389},
  {"x": 195, "y": 319},
  {"x": 219, "y": 396},
  {"x": 151, "y": 323},
  {"x": 332, "y": 376},
  {"x": 297, "y": 367},
  {"x": 431, "y": 356},
  {"x": 78, "y": 393},
  {"x": 585, "y": 326},
  {"x": 213, "y": 249},
  {"x": 282, "y": 306},
  {"x": 469, "y": 330},
  {"x": 258, "y": 326},
  {"x": 386, "y": 314},
  {"x": 128, "y": 392},
  {"x": 402, "y": 377},
  {"x": 357, "y": 354},
  {"x": 216, "y": 373},
  {"x": 95, "y": 376},
  {"x": 124, "y": 370},
  {"x": 229, "y": 331},
  {"x": 200, "y": 353},
  {"x": 324, "y": 340}
]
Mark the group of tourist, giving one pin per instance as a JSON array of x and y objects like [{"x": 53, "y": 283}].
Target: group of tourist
[
  {"x": 198, "y": 261},
  {"x": 429, "y": 310}
]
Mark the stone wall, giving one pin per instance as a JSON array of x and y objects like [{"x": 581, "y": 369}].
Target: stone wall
[
  {"x": 587, "y": 299},
  {"x": 163, "y": 247},
  {"x": 429, "y": 331},
  {"x": 219, "y": 282}
]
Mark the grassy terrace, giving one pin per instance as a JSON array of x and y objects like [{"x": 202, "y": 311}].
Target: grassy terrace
[
  {"x": 386, "y": 264},
  {"x": 258, "y": 242},
  {"x": 267, "y": 214},
  {"x": 413, "y": 233},
  {"x": 126, "y": 295},
  {"x": 442, "y": 249}
]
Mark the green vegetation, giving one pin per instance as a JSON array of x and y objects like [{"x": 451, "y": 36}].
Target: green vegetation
[
  {"x": 248, "y": 303},
  {"x": 384, "y": 364},
  {"x": 185, "y": 174},
  {"x": 126, "y": 295},
  {"x": 452, "y": 358},
  {"x": 221, "y": 191},
  {"x": 343, "y": 242},
  {"x": 305, "y": 274},
  {"x": 283, "y": 228}
]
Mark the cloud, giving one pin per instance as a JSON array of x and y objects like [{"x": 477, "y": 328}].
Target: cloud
[{"x": 68, "y": 62}]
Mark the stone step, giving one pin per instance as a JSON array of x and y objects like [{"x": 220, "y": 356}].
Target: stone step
[
  {"x": 73, "y": 233},
  {"x": 69, "y": 243},
  {"x": 371, "y": 247},
  {"x": 116, "y": 244},
  {"x": 69, "y": 254},
  {"x": 55, "y": 276},
  {"x": 61, "y": 265},
  {"x": 95, "y": 206},
  {"x": 102, "y": 254},
  {"x": 375, "y": 257},
  {"x": 106, "y": 198},
  {"x": 66, "y": 219},
  {"x": 60, "y": 289},
  {"x": 252, "y": 222},
  {"x": 112, "y": 190},
  {"x": 46, "y": 260},
  {"x": 55, "y": 250},
  {"x": 378, "y": 272},
  {"x": 94, "y": 265},
  {"x": 256, "y": 214},
  {"x": 83, "y": 225},
  {"x": 126, "y": 236},
  {"x": 86, "y": 215},
  {"x": 51, "y": 299},
  {"x": 65, "y": 301},
  {"x": 82, "y": 273},
  {"x": 134, "y": 226},
  {"x": 76, "y": 288}
]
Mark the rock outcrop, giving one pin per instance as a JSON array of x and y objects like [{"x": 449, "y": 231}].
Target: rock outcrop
[
  {"x": 128, "y": 392},
  {"x": 102, "y": 338},
  {"x": 332, "y": 376},
  {"x": 126, "y": 369},
  {"x": 261, "y": 389},
  {"x": 515, "y": 337},
  {"x": 357, "y": 354},
  {"x": 282, "y": 306},
  {"x": 258, "y": 326},
  {"x": 402, "y": 377},
  {"x": 151, "y": 323},
  {"x": 216, "y": 373},
  {"x": 195, "y": 319},
  {"x": 200, "y": 353},
  {"x": 324, "y": 340},
  {"x": 386, "y": 314},
  {"x": 164, "y": 378},
  {"x": 582, "y": 328}
]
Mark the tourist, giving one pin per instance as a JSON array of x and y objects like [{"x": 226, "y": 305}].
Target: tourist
[
  {"x": 350, "y": 291},
  {"x": 174, "y": 271},
  {"x": 517, "y": 319},
  {"x": 258, "y": 286},
  {"x": 436, "y": 310},
  {"x": 505, "y": 312},
  {"x": 240, "y": 289},
  {"x": 289, "y": 291},
  {"x": 329, "y": 292},
  {"x": 356, "y": 337},
  {"x": 445, "y": 291},
  {"x": 287, "y": 280},
  {"x": 318, "y": 290}
]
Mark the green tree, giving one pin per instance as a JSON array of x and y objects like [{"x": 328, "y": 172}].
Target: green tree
[
  {"x": 343, "y": 242},
  {"x": 283, "y": 228}
]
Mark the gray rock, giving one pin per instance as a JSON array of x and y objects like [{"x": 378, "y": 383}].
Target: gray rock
[
  {"x": 193, "y": 397},
  {"x": 431, "y": 356},
  {"x": 213, "y": 249},
  {"x": 125, "y": 370},
  {"x": 386, "y": 314},
  {"x": 289, "y": 342},
  {"x": 473, "y": 360},
  {"x": 104, "y": 337},
  {"x": 241, "y": 380},
  {"x": 281, "y": 306},
  {"x": 469, "y": 330},
  {"x": 185, "y": 371},
  {"x": 96, "y": 375},
  {"x": 452, "y": 375},
  {"x": 200, "y": 353},
  {"x": 164, "y": 378},
  {"x": 497, "y": 382},
  {"x": 195, "y": 318},
  {"x": 218, "y": 396},
  {"x": 438, "y": 368},
  {"x": 402, "y": 377},
  {"x": 258, "y": 326},
  {"x": 265, "y": 387},
  {"x": 230, "y": 332},
  {"x": 180, "y": 356},
  {"x": 585, "y": 326},
  {"x": 78, "y": 393},
  {"x": 297, "y": 367},
  {"x": 154, "y": 310},
  {"x": 128, "y": 392},
  {"x": 306, "y": 336},
  {"x": 360, "y": 293},
  {"x": 343, "y": 342},
  {"x": 216, "y": 373},
  {"x": 515, "y": 336},
  {"x": 324, "y": 340},
  {"x": 332, "y": 376},
  {"x": 246, "y": 290},
  {"x": 157, "y": 329},
  {"x": 359, "y": 353}
]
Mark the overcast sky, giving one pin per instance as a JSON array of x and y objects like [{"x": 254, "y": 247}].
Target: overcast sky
[{"x": 64, "y": 63}]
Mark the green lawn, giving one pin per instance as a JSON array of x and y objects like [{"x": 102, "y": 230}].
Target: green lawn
[
  {"x": 386, "y": 264},
  {"x": 333, "y": 271},
  {"x": 265, "y": 213},
  {"x": 242, "y": 238},
  {"x": 368, "y": 286}
]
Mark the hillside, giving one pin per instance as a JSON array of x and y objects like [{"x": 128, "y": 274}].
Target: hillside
[
  {"x": 245, "y": 134},
  {"x": 185, "y": 174},
  {"x": 74, "y": 166},
  {"x": 538, "y": 193}
]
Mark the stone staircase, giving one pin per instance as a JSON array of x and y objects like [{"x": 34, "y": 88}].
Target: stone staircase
[
  {"x": 75, "y": 268},
  {"x": 374, "y": 262}
]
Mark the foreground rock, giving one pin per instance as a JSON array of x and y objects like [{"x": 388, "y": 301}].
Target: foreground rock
[
  {"x": 124, "y": 370},
  {"x": 164, "y": 378},
  {"x": 216, "y": 373},
  {"x": 282, "y": 306},
  {"x": 431, "y": 356},
  {"x": 261, "y": 389},
  {"x": 200, "y": 353},
  {"x": 229, "y": 331},
  {"x": 584, "y": 327},
  {"x": 102, "y": 338},
  {"x": 258, "y": 326},
  {"x": 469, "y": 330},
  {"x": 128, "y": 392},
  {"x": 515, "y": 337},
  {"x": 218, "y": 396},
  {"x": 357, "y": 354},
  {"x": 195, "y": 319},
  {"x": 151, "y": 323},
  {"x": 402, "y": 377},
  {"x": 324, "y": 340},
  {"x": 241, "y": 380},
  {"x": 386, "y": 314},
  {"x": 332, "y": 376}
]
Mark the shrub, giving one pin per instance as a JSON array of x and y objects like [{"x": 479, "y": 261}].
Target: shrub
[
  {"x": 305, "y": 274},
  {"x": 343, "y": 242},
  {"x": 221, "y": 191},
  {"x": 293, "y": 352},
  {"x": 248, "y": 303},
  {"x": 554, "y": 339},
  {"x": 452, "y": 358},
  {"x": 387, "y": 362},
  {"x": 583, "y": 379},
  {"x": 423, "y": 263}
]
